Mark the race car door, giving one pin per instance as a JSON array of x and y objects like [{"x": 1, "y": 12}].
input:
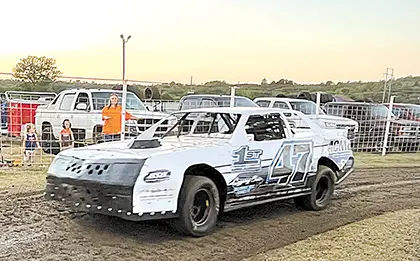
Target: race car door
[{"x": 271, "y": 160}]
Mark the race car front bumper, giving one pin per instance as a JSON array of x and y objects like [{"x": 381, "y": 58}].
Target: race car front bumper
[{"x": 108, "y": 192}]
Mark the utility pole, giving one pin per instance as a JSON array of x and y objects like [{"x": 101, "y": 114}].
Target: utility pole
[
  {"x": 389, "y": 72},
  {"x": 390, "y": 84},
  {"x": 232, "y": 95},
  {"x": 124, "y": 96}
]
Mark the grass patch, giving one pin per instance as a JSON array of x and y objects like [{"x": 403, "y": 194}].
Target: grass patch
[
  {"x": 403, "y": 160},
  {"x": 21, "y": 179}
]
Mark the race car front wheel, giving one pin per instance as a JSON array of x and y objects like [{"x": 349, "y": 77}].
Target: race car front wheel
[
  {"x": 198, "y": 205},
  {"x": 322, "y": 190}
]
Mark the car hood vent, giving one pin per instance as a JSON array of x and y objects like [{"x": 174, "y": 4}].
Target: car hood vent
[{"x": 145, "y": 144}]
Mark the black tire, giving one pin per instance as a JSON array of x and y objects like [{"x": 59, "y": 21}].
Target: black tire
[
  {"x": 48, "y": 141},
  {"x": 322, "y": 190},
  {"x": 193, "y": 219},
  {"x": 96, "y": 135}
]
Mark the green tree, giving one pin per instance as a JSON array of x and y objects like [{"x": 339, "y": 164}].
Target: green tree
[
  {"x": 264, "y": 81},
  {"x": 36, "y": 70},
  {"x": 329, "y": 83}
]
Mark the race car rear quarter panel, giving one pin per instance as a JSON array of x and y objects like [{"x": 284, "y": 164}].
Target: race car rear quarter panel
[
  {"x": 289, "y": 173},
  {"x": 340, "y": 152}
]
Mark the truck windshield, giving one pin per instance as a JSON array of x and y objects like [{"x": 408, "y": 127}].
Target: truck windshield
[
  {"x": 308, "y": 108},
  {"x": 380, "y": 111},
  {"x": 101, "y": 99},
  {"x": 208, "y": 102},
  {"x": 239, "y": 102},
  {"x": 409, "y": 112}
]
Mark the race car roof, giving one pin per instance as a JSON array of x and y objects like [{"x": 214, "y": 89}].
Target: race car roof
[
  {"x": 237, "y": 110},
  {"x": 282, "y": 99}
]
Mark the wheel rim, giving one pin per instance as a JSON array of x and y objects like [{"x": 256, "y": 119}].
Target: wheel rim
[
  {"x": 322, "y": 189},
  {"x": 45, "y": 142},
  {"x": 201, "y": 207}
]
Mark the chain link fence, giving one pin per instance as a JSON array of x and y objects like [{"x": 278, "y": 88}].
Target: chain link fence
[
  {"x": 373, "y": 127},
  {"x": 33, "y": 123},
  {"x": 394, "y": 127}
]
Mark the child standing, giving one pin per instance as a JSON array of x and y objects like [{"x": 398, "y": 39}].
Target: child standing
[
  {"x": 30, "y": 142},
  {"x": 66, "y": 136}
]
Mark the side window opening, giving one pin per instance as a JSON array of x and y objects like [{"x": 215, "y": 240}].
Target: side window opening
[
  {"x": 84, "y": 99},
  {"x": 189, "y": 103},
  {"x": 280, "y": 105},
  {"x": 266, "y": 127},
  {"x": 67, "y": 101},
  {"x": 209, "y": 103},
  {"x": 263, "y": 103}
]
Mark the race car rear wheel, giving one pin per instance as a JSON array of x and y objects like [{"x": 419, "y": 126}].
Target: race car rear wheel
[
  {"x": 199, "y": 205},
  {"x": 321, "y": 191}
]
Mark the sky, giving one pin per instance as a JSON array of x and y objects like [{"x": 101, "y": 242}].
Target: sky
[{"x": 233, "y": 40}]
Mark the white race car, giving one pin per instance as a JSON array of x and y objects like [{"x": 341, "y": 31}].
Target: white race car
[{"x": 211, "y": 160}]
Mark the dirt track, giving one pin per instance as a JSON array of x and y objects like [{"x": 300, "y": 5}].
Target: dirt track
[{"x": 33, "y": 229}]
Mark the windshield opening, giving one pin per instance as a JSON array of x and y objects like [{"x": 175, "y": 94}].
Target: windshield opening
[
  {"x": 201, "y": 124},
  {"x": 101, "y": 99},
  {"x": 408, "y": 112},
  {"x": 306, "y": 107},
  {"x": 209, "y": 102},
  {"x": 240, "y": 102},
  {"x": 380, "y": 111}
]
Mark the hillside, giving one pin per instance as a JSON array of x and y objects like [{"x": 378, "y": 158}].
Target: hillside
[{"x": 406, "y": 89}]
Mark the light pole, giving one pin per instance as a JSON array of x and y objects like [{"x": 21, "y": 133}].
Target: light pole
[
  {"x": 232, "y": 95},
  {"x": 124, "y": 96}
]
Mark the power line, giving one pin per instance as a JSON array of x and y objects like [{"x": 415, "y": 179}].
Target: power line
[{"x": 386, "y": 81}]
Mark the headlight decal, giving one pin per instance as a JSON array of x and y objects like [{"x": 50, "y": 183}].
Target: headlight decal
[
  {"x": 330, "y": 124},
  {"x": 157, "y": 176}
]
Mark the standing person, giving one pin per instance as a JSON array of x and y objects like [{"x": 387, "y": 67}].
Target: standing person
[
  {"x": 66, "y": 136},
  {"x": 112, "y": 115},
  {"x": 30, "y": 143}
]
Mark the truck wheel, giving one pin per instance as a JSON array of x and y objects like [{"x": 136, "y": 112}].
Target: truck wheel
[
  {"x": 96, "y": 135},
  {"x": 48, "y": 141},
  {"x": 199, "y": 205},
  {"x": 322, "y": 190}
]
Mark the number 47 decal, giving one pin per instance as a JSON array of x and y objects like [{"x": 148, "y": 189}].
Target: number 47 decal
[{"x": 291, "y": 163}]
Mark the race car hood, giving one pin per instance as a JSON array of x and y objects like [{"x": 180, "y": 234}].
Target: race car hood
[
  {"x": 149, "y": 114},
  {"x": 97, "y": 161},
  {"x": 140, "y": 149},
  {"x": 406, "y": 122},
  {"x": 334, "y": 119}
]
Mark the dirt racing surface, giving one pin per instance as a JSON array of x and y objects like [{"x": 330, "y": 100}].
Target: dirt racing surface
[{"x": 34, "y": 229}]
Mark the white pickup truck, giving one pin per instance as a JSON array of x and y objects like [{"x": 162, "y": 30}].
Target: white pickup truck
[
  {"x": 309, "y": 108},
  {"x": 218, "y": 160},
  {"x": 83, "y": 108}
]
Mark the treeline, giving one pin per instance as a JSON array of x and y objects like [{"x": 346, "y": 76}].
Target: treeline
[{"x": 406, "y": 89}]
